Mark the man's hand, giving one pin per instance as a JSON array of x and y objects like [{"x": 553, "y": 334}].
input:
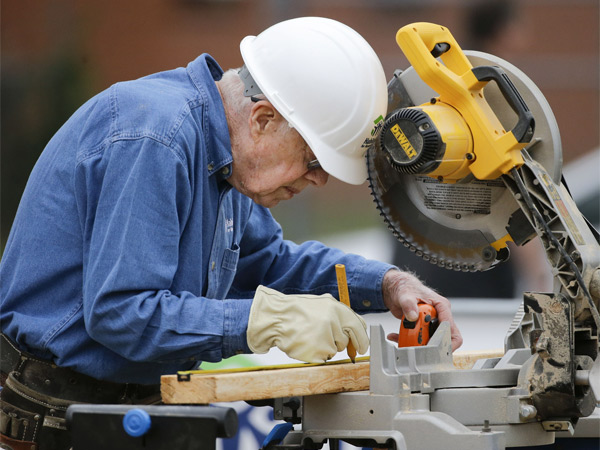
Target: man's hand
[
  {"x": 401, "y": 293},
  {"x": 311, "y": 328}
]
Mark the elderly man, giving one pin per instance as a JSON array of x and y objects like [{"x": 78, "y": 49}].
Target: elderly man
[{"x": 143, "y": 244}]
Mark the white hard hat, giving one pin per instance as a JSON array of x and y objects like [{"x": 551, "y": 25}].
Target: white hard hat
[{"x": 327, "y": 82}]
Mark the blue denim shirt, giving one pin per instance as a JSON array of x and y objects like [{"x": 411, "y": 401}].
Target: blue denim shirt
[{"x": 131, "y": 256}]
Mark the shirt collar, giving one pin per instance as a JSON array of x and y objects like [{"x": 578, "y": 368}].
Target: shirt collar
[{"x": 203, "y": 72}]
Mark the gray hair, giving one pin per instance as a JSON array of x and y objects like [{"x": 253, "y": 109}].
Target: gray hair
[{"x": 233, "y": 91}]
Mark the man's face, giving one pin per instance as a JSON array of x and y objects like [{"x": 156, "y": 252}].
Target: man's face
[{"x": 274, "y": 166}]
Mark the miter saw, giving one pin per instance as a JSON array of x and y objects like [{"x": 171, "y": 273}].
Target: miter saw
[{"x": 468, "y": 159}]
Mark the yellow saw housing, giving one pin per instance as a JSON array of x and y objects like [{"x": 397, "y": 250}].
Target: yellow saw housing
[{"x": 470, "y": 137}]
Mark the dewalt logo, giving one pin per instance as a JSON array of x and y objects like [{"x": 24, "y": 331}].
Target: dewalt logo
[{"x": 410, "y": 151}]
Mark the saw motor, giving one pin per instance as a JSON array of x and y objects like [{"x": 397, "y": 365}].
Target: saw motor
[{"x": 456, "y": 133}]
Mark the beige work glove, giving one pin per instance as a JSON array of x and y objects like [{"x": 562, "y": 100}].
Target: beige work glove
[{"x": 310, "y": 328}]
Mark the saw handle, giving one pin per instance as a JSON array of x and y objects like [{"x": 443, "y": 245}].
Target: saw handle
[
  {"x": 523, "y": 130},
  {"x": 422, "y": 43},
  {"x": 412, "y": 334}
]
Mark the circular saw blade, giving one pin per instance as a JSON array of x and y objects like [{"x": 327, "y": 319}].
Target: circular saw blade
[{"x": 454, "y": 225}]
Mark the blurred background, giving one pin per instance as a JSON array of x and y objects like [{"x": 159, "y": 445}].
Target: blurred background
[{"x": 58, "y": 53}]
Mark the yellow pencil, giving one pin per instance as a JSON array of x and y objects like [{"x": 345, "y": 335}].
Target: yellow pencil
[{"x": 340, "y": 273}]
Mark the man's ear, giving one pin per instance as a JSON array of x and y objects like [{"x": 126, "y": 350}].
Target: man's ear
[{"x": 263, "y": 118}]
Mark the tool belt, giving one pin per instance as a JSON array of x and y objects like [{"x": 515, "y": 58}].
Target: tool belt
[{"x": 36, "y": 394}]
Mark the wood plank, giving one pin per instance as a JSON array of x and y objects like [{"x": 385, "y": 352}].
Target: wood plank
[
  {"x": 264, "y": 384},
  {"x": 466, "y": 360},
  {"x": 211, "y": 387}
]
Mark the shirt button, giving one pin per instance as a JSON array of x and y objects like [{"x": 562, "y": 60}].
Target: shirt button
[
  {"x": 210, "y": 167},
  {"x": 213, "y": 265},
  {"x": 225, "y": 171},
  {"x": 366, "y": 303}
]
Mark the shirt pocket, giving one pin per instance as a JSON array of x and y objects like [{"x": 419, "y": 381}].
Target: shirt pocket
[{"x": 231, "y": 257}]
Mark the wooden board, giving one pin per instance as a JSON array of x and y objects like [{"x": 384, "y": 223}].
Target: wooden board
[
  {"x": 466, "y": 360},
  {"x": 219, "y": 386},
  {"x": 264, "y": 384}
]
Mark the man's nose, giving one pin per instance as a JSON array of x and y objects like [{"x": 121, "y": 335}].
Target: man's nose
[{"x": 317, "y": 177}]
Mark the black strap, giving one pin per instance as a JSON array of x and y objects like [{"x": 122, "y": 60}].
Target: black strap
[
  {"x": 46, "y": 378},
  {"x": 10, "y": 355}
]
